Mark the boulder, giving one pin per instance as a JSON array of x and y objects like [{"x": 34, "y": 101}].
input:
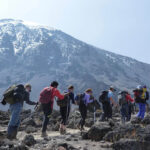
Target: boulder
[
  {"x": 146, "y": 120},
  {"x": 89, "y": 122},
  {"x": 127, "y": 131},
  {"x": 84, "y": 135},
  {"x": 28, "y": 122},
  {"x": 135, "y": 120},
  {"x": 97, "y": 132},
  {"x": 30, "y": 129},
  {"x": 131, "y": 144},
  {"x": 29, "y": 140},
  {"x": 21, "y": 147}
]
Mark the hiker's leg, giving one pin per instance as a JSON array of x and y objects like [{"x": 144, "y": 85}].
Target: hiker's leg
[
  {"x": 68, "y": 112},
  {"x": 109, "y": 111},
  {"x": 63, "y": 111},
  {"x": 14, "y": 122},
  {"x": 140, "y": 108},
  {"x": 47, "y": 112},
  {"x": 143, "y": 111},
  {"x": 129, "y": 112},
  {"x": 122, "y": 110},
  {"x": 104, "y": 115},
  {"x": 84, "y": 116},
  {"x": 81, "y": 109}
]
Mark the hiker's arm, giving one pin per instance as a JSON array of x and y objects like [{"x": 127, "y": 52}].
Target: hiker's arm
[
  {"x": 72, "y": 98},
  {"x": 90, "y": 99},
  {"x": 113, "y": 102},
  {"x": 28, "y": 101},
  {"x": 59, "y": 95},
  {"x": 3, "y": 102},
  {"x": 130, "y": 98}
]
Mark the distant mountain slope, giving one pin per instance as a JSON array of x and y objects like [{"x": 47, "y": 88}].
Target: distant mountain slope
[{"x": 39, "y": 54}]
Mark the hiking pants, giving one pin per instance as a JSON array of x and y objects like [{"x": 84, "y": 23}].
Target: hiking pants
[
  {"x": 64, "y": 111},
  {"x": 83, "y": 112},
  {"x": 130, "y": 110},
  {"x": 15, "y": 110},
  {"x": 142, "y": 109},
  {"x": 124, "y": 112},
  {"x": 107, "y": 109},
  {"x": 47, "y": 112}
]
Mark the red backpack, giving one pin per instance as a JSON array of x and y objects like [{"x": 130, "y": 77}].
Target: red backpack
[{"x": 46, "y": 95}]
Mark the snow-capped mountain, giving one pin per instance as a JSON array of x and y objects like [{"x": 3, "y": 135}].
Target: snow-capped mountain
[{"x": 38, "y": 54}]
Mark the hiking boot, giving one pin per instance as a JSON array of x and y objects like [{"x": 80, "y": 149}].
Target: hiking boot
[
  {"x": 79, "y": 127},
  {"x": 82, "y": 129},
  {"x": 44, "y": 134},
  {"x": 61, "y": 131}
]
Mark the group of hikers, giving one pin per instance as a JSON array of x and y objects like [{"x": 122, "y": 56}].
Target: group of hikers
[{"x": 17, "y": 94}]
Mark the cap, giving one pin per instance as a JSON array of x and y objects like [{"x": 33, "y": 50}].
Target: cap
[{"x": 89, "y": 90}]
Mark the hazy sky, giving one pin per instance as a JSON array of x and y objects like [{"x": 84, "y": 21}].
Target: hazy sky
[{"x": 120, "y": 26}]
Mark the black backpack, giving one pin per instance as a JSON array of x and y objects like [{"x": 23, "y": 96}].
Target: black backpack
[
  {"x": 80, "y": 99},
  {"x": 147, "y": 95},
  {"x": 92, "y": 107},
  {"x": 122, "y": 98},
  {"x": 64, "y": 102},
  {"x": 14, "y": 94},
  {"x": 103, "y": 98}
]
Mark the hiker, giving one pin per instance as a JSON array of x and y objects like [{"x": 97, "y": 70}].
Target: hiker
[
  {"x": 46, "y": 99},
  {"x": 141, "y": 96},
  {"x": 106, "y": 98},
  {"x": 20, "y": 94},
  {"x": 65, "y": 110},
  {"x": 83, "y": 100},
  {"x": 124, "y": 99}
]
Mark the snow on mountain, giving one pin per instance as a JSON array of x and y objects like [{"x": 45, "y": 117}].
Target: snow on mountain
[{"x": 38, "y": 54}]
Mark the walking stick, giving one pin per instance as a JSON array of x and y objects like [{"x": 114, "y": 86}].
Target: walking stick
[{"x": 94, "y": 114}]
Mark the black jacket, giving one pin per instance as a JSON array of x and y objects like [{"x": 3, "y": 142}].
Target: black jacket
[{"x": 20, "y": 94}]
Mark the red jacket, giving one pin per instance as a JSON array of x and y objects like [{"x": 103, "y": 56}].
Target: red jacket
[
  {"x": 129, "y": 98},
  {"x": 55, "y": 93},
  {"x": 48, "y": 95}
]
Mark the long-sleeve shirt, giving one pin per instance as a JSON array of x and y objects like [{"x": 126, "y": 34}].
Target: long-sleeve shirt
[
  {"x": 87, "y": 99},
  {"x": 55, "y": 93},
  {"x": 129, "y": 98},
  {"x": 21, "y": 95},
  {"x": 27, "y": 99}
]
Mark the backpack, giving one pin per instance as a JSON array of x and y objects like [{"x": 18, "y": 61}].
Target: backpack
[
  {"x": 92, "y": 107},
  {"x": 46, "y": 95},
  {"x": 138, "y": 95},
  {"x": 80, "y": 99},
  {"x": 103, "y": 98},
  {"x": 9, "y": 94},
  {"x": 64, "y": 102},
  {"x": 122, "y": 98},
  {"x": 147, "y": 95}
]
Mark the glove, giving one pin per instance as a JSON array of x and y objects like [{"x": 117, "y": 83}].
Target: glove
[{"x": 3, "y": 102}]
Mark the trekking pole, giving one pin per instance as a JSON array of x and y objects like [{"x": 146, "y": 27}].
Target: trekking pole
[{"x": 94, "y": 115}]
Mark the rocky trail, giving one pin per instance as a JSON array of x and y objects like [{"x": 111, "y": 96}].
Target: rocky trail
[{"x": 110, "y": 135}]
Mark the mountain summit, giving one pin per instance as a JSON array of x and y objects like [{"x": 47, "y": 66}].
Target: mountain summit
[{"x": 38, "y": 54}]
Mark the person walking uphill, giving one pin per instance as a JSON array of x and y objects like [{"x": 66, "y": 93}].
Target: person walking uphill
[
  {"x": 16, "y": 95},
  {"x": 65, "y": 110},
  {"x": 83, "y": 100},
  {"x": 141, "y": 96},
  {"x": 46, "y": 99},
  {"x": 124, "y": 102},
  {"x": 106, "y": 98}
]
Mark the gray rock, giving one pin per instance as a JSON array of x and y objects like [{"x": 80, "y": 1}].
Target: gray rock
[
  {"x": 131, "y": 144},
  {"x": 97, "y": 132},
  {"x": 30, "y": 129},
  {"x": 29, "y": 140},
  {"x": 29, "y": 122}
]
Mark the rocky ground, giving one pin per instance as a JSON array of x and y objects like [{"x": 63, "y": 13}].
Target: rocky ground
[{"x": 110, "y": 135}]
